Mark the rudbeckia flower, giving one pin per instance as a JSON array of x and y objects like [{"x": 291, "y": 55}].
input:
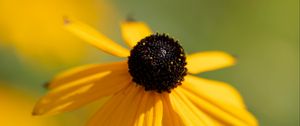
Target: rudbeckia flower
[{"x": 153, "y": 86}]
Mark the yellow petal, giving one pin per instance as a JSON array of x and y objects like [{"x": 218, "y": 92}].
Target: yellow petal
[
  {"x": 201, "y": 118},
  {"x": 130, "y": 107},
  {"x": 189, "y": 114},
  {"x": 208, "y": 61},
  {"x": 119, "y": 116},
  {"x": 141, "y": 109},
  {"x": 125, "y": 108},
  {"x": 169, "y": 119},
  {"x": 133, "y": 32},
  {"x": 84, "y": 73},
  {"x": 158, "y": 110},
  {"x": 148, "y": 113},
  {"x": 214, "y": 91},
  {"x": 219, "y": 105},
  {"x": 95, "y": 38},
  {"x": 82, "y": 91},
  {"x": 125, "y": 113},
  {"x": 182, "y": 112},
  {"x": 103, "y": 115},
  {"x": 154, "y": 110}
]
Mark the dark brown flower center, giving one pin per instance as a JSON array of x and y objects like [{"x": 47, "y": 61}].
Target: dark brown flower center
[{"x": 157, "y": 63}]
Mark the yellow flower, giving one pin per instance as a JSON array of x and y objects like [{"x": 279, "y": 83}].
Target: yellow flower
[
  {"x": 15, "y": 110},
  {"x": 34, "y": 28},
  {"x": 153, "y": 88}
]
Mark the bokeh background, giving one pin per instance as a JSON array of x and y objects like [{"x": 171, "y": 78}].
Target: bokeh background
[{"x": 262, "y": 34}]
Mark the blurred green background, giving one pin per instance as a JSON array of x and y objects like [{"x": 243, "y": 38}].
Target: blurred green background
[{"x": 262, "y": 34}]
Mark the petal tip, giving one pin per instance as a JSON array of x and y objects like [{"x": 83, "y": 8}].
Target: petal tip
[
  {"x": 130, "y": 18},
  {"x": 233, "y": 57},
  {"x": 66, "y": 20},
  {"x": 36, "y": 112},
  {"x": 46, "y": 85}
]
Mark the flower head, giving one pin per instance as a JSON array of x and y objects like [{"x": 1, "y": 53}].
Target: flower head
[
  {"x": 153, "y": 87},
  {"x": 157, "y": 63}
]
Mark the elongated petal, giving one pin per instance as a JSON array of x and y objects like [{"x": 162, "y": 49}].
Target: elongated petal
[
  {"x": 140, "y": 115},
  {"x": 133, "y": 32},
  {"x": 158, "y": 110},
  {"x": 190, "y": 115},
  {"x": 104, "y": 113},
  {"x": 200, "y": 117},
  {"x": 208, "y": 61},
  {"x": 79, "y": 92},
  {"x": 153, "y": 111},
  {"x": 171, "y": 116},
  {"x": 95, "y": 38},
  {"x": 214, "y": 91},
  {"x": 127, "y": 107},
  {"x": 84, "y": 73},
  {"x": 219, "y": 101}
]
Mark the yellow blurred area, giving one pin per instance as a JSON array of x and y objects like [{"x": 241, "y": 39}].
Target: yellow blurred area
[
  {"x": 16, "y": 107},
  {"x": 34, "y": 28}
]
